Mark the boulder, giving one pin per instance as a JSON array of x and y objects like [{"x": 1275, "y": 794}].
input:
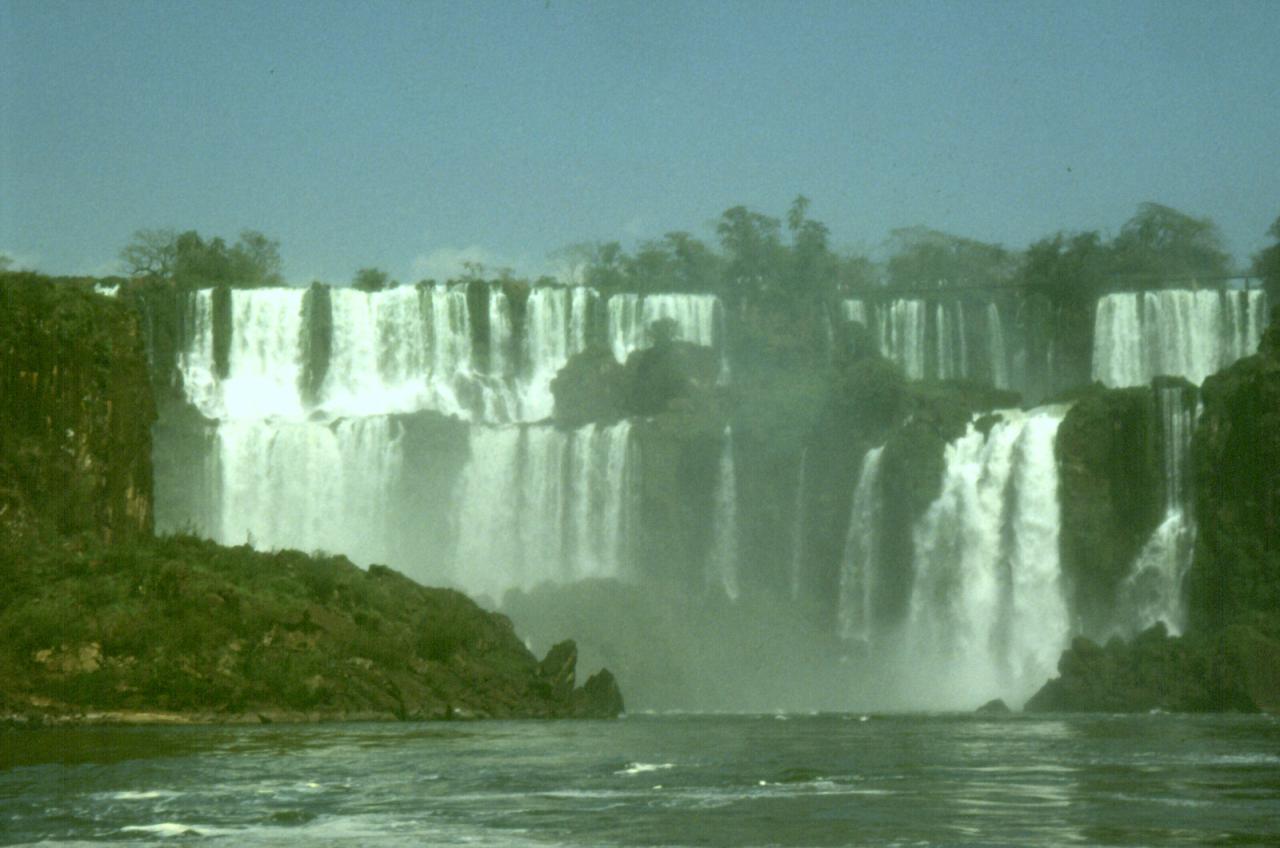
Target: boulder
[
  {"x": 599, "y": 697},
  {"x": 592, "y": 386}
]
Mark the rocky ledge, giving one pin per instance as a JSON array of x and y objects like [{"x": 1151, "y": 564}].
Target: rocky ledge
[
  {"x": 1237, "y": 670},
  {"x": 181, "y": 629}
]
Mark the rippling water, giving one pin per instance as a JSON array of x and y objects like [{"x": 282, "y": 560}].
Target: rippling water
[{"x": 654, "y": 780}]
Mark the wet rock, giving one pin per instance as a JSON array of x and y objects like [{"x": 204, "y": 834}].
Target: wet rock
[
  {"x": 599, "y": 697},
  {"x": 592, "y": 386},
  {"x": 1151, "y": 672}
]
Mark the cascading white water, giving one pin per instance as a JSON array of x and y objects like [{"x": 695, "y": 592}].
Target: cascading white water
[
  {"x": 264, "y": 357},
  {"x": 1152, "y": 591},
  {"x": 722, "y": 568},
  {"x": 381, "y": 354},
  {"x": 988, "y": 614},
  {"x": 1174, "y": 332},
  {"x": 556, "y": 321},
  {"x": 904, "y": 333},
  {"x": 195, "y": 361},
  {"x": 953, "y": 353},
  {"x": 541, "y": 505},
  {"x": 309, "y": 485},
  {"x": 854, "y": 310},
  {"x": 997, "y": 354},
  {"x": 861, "y": 548},
  {"x": 696, "y": 316}
]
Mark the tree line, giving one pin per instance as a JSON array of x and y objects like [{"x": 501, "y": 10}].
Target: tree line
[{"x": 790, "y": 259}]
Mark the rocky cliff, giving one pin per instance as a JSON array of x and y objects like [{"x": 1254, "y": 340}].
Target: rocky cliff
[
  {"x": 1110, "y": 491},
  {"x": 75, "y": 414},
  {"x": 1236, "y": 454},
  {"x": 187, "y": 628}
]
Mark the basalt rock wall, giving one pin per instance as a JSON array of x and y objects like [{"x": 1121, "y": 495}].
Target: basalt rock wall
[{"x": 76, "y": 410}]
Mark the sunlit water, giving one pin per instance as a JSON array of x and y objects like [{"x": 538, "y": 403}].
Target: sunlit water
[{"x": 670, "y": 780}]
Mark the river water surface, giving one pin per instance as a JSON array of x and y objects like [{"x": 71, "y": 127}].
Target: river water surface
[{"x": 911, "y": 780}]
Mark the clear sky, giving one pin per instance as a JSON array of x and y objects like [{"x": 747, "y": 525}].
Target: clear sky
[{"x": 411, "y": 136}]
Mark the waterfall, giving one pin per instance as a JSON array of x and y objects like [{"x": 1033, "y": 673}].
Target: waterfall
[
  {"x": 264, "y": 356},
  {"x": 987, "y": 612},
  {"x": 308, "y": 485},
  {"x": 697, "y": 318},
  {"x": 853, "y": 310},
  {"x": 1152, "y": 591},
  {"x": 953, "y": 354},
  {"x": 902, "y": 334},
  {"x": 381, "y": 355},
  {"x": 996, "y": 348},
  {"x": 556, "y": 322},
  {"x": 723, "y": 561},
  {"x": 936, "y": 340},
  {"x": 858, "y": 568},
  {"x": 1174, "y": 332},
  {"x": 541, "y": 505}
]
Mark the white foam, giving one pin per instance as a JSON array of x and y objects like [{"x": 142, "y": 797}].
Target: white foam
[{"x": 643, "y": 768}]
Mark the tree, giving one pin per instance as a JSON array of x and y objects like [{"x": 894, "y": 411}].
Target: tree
[
  {"x": 5, "y": 262},
  {"x": 1067, "y": 267},
  {"x": 255, "y": 260},
  {"x": 189, "y": 261},
  {"x": 855, "y": 272},
  {"x": 695, "y": 266},
  {"x": 370, "y": 280},
  {"x": 926, "y": 257},
  {"x": 812, "y": 266},
  {"x": 753, "y": 247},
  {"x": 1161, "y": 242},
  {"x": 151, "y": 253},
  {"x": 601, "y": 265},
  {"x": 1266, "y": 264}
]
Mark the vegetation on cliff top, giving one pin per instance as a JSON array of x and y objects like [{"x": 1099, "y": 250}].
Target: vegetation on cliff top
[{"x": 184, "y": 625}]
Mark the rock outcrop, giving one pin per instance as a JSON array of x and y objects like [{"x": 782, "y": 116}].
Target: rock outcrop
[
  {"x": 1111, "y": 495},
  {"x": 75, "y": 414},
  {"x": 1237, "y": 670},
  {"x": 1236, "y": 454},
  {"x": 187, "y": 627}
]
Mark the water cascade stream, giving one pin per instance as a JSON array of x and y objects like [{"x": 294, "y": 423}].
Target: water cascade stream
[
  {"x": 1174, "y": 332},
  {"x": 1152, "y": 591}
]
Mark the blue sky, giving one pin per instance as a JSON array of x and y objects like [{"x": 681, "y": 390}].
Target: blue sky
[{"x": 412, "y": 136}]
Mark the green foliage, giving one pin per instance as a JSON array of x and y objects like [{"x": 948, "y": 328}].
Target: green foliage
[
  {"x": 925, "y": 258},
  {"x": 753, "y": 247},
  {"x": 188, "y": 261},
  {"x": 1159, "y": 241},
  {"x": 371, "y": 280},
  {"x": 1266, "y": 264},
  {"x": 1067, "y": 267}
]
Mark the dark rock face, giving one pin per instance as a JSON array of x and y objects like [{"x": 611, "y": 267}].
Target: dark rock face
[
  {"x": 1157, "y": 672},
  {"x": 317, "y": 340},
  {"x": 1236, "y": 452},
  {"x": 1110, "y": 492},
  {"x": 667, "y": 372},
  {"x": 75, "y": 413},
  {"x": 994, "y": 707},
  {"x": 599, "y": 697},
  {"x": 592, "y": 386},
  {"x": 557, "y": 670}
]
